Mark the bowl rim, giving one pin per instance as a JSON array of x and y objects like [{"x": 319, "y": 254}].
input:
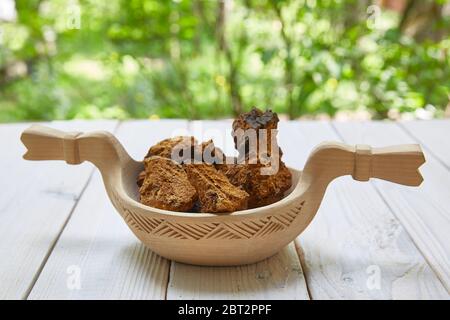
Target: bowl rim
[{"x": 287, "y": 199}]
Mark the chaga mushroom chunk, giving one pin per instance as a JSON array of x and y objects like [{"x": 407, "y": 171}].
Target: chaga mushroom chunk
[
  {"x": 184, "y": 149},
  {"x": 166, "y": 185},
  {"x": 265, "y": 186},
  {"x": 208, "y": 153},
  {"x": 263, "y": 189},
  {"x": 141, "y": 178},
  {"x": 165, "y": 148},
  {"x": 255, "y": 120},
  {"x": 216, "y": 194}
]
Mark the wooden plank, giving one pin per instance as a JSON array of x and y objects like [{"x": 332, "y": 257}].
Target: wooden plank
[
  {"x": 355, "y": 248},
  {"x": 35, "y": 203},
  {"x": 98, "y": 246},
  {"x": 279, "y": 277},
  {"x": 97, "y": 257},
  {"x": 423, "y": 211},
  {"x": 433, "y": 135}
]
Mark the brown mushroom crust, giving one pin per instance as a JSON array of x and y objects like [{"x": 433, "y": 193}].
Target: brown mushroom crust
[
  {"x": 166, "y": 185},
  {"x": 256, "y": 120},
  {"x": 216, "y": 194},
  {"x": 164, "y": 148},
  {"x": 262, "y": 189}
]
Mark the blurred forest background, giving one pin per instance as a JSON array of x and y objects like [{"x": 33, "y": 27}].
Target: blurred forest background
[{"x": 66, "y": 59}]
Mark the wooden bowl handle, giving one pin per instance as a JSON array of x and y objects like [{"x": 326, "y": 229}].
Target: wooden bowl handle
[
  {"x": 100, "y": 147},
  {"x": 329, "y": 160},
  {"x": 45, "y": 143},
  {"x": 399, "y": 164}
]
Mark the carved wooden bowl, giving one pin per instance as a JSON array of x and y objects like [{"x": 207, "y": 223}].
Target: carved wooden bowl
[{"x": 240, "y": 237}]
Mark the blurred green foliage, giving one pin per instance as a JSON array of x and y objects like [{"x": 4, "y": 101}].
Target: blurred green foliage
[{"x": 65, "y": 59}]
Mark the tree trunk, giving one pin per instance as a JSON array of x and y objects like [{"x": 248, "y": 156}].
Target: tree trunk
[
  {"x": 233, "y": 71},
  {"x": 420, "y": 19},
  {"x": 288, "y": 64}
]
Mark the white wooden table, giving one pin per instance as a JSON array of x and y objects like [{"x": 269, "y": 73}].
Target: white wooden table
[{"x": 60, "y": 238}]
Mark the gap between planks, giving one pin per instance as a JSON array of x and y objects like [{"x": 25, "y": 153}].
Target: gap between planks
[
  {"x": 343, "y": 239},
  {"x": 172, "y": 270},
  {"x": 428, "y": 148},
  {"x": 44, "y": 261},
  {"x": 114, "y": 263},
  {"x": 432, "y": 257},
  {"x": 35, "y": 211},
  {"x": 386, "y": 203},
  {"x": 280, "y": 276}
]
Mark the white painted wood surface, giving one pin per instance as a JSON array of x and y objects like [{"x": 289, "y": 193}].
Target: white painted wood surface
[
  {"x": 279, "y": 277},
  {"x": 97, "y": 257},
  {"x": 434, "y": 135},
  {"x": 355, "y": 248},
  {"x": 361, "y": 228},
  {"x": 111, "y": 261},
  {"x": 36, "y": 201},
  {"x": 423, "y": 211}
]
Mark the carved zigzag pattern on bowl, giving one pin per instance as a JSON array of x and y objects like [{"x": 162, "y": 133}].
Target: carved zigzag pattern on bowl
[{"x": 245, "y": 229}]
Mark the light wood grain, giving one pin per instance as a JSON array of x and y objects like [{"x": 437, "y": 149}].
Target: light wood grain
[
  {"x": 35, "y": 203},
  {"x": 423, "y": 211},
  {"x": 433, "y": 135},
  {"x": 113, "y": 263},
  {"x": 279, "y": 277},
  {"x": 355, "y": 234}
]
